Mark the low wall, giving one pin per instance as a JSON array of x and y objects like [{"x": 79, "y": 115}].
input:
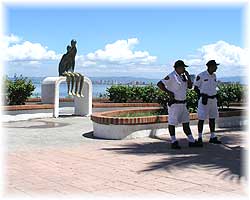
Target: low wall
[
  {"x": 117, "y": 132},
  {"x": 28, "y": 107},
  {"x": 35, "y": 103},
  {"x": 108, "y": 127}
]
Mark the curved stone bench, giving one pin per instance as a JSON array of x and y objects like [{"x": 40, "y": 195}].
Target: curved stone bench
[
  {"x": 50, "y": 95},
  {"x": 108, "y": 127}
]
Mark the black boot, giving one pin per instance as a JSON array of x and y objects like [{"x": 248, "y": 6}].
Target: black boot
[
  {"x": 214, "y": 140},
  {"x": 175, "y": 145},
  {"x": 195, "y": 144},
  {"x": 200, "y": 141}
]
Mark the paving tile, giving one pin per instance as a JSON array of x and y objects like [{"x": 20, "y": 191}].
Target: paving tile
[{"x": 70, "y": 165}]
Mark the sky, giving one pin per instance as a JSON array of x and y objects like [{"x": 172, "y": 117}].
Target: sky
[{"x": 138, "y": 41}]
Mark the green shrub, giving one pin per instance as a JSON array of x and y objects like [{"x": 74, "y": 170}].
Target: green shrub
[
  {"x": 147, "y": 94},
  {"x": 118, "y": 93},
  {"x": 192, "y": 101},
  {"x": 134, "y": 93},
  {"x": 229, "y": 93},
  {"x": 123, "y": 94},
  {"x": 18, "y": 90},
  {"x": 162, "y": 99}
]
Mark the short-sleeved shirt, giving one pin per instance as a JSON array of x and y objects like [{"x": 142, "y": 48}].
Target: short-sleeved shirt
[
  {"x": 206, "y": 83},
  {"x": 174, "y": 83}
]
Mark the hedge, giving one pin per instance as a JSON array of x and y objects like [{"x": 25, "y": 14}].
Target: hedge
[{"x": 227, "y": 93}]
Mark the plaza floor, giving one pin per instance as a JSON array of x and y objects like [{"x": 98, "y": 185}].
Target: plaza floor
[{"x": 61, "y": 158}]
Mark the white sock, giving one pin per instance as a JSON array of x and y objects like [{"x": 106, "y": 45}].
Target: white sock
[
  {"x": 213, "y": 135},
  {"x": 190, "y": 138},
  {"x": 173, "y": 138},
  {"x": 200, "y": 135}
]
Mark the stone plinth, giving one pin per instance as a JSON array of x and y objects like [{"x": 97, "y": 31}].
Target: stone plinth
[{"x": 50, "y": 95}]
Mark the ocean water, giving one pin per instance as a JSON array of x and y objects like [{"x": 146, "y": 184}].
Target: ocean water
[{"x": 98, "y": 90}]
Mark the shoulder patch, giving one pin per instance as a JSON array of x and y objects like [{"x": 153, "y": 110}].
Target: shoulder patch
[
  {"x": 166, "y": 78},
  {"x": 198, "y": 78}
]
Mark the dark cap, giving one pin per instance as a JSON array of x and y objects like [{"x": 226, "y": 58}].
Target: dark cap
[
  {"x": 211, "y": 62},
  {"x": 179, "y": 63}
]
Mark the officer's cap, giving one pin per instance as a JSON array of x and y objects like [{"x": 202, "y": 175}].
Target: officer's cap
[
  {"x": 211, "y": 63},
  {"x": 179, "y": 63}
]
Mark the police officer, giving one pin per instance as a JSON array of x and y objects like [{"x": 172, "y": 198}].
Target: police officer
[
  {"x": 176, "y": 85},
  {"x": 205, "y": 86}
]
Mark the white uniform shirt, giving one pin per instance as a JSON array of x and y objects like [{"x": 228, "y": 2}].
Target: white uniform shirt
[
  {"x": 206, "y": 83},
  {"x": 174, "y": 83}
]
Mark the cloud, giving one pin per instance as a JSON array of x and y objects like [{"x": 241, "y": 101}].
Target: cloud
[
  {"x": 117, "y": 57},
  {"x": 121, "y": 53},
  {"x": 84, "y": 62},
  {"x": 17, "y": 50},
  {"x": 224, "y": 53},
  {"x": 120, "y": 58},
  {"x": 7, "y": 40}
]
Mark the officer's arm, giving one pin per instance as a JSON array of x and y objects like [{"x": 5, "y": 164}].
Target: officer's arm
[
  {"x": 197, "y": 85},
  {"x": 197, "y": 90},
  {"x": 189, "y": 82},
  {"x": 162, "y": 86}
]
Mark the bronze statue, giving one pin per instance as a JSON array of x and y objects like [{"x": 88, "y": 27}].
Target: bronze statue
[{"x": 66, "y": 68}]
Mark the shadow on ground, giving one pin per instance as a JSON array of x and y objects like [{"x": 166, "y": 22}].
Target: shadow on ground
[
  {"x": 228, "y": 159},
  {"x": 90, "y": 135}
]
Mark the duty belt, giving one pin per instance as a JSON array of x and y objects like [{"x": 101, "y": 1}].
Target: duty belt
[
  {"x": 174, "y": 101},
  {"x": 179, "y": 101},
  {"x": 211, "y": 97},
  {"x": 205, "y": 97}
]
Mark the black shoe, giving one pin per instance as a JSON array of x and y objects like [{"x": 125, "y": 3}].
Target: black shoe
[
  {"x": 195, "y": 144},
  {"x": 175, "y": 145},
  {"x": 200, "y": 141},
  {"x": 214, "y": 140}
]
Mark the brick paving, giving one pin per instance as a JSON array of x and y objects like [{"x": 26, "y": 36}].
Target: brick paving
[{"x": 58, "y": 158}]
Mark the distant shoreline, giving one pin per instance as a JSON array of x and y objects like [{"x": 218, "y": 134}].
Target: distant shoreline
[
  {"x": 131, "y": 80},
  {"x": 100, "y": 84}
]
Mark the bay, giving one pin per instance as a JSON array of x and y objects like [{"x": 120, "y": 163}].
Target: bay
[{"x": 98, "y": 90}]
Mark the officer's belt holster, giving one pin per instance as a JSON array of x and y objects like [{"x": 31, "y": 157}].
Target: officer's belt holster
[{"x": 205, "y": 98}]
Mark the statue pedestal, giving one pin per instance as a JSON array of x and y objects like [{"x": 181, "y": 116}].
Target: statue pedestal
[{"x": 50, "y": 95}]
